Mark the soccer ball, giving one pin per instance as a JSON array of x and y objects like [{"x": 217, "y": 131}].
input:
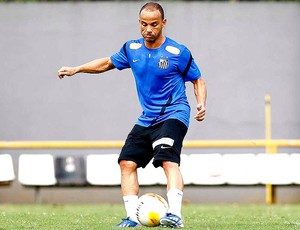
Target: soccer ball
[{"x": 150, "y": 209}]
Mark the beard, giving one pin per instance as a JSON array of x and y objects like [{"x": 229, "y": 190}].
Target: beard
[{"x": 150, "y": 36}]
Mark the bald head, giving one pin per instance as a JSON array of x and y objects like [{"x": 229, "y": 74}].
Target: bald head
[{"x": 153, "y": 6}]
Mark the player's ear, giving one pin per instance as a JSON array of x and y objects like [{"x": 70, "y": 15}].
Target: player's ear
[{"x": 164, "y": 22}]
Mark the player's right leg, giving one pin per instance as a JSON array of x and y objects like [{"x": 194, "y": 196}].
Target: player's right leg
[
  {"x": 130, "y": 189},
  {"x": 137, "y": 152}
]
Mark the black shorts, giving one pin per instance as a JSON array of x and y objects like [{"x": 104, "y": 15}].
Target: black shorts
[{"x": 162, "y": 142}]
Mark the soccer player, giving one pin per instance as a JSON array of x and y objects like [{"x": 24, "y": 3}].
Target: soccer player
[{"x": 160, "y": 67}]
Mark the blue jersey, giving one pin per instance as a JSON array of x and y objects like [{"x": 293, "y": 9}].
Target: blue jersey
[{"x": 160, "y": 76}]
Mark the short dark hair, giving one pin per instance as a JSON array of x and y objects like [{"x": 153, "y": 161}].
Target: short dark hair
[{"x": 154, "y": 5}]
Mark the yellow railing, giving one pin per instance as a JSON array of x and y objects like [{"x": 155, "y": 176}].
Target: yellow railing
[{"x": 118, "y": 144}]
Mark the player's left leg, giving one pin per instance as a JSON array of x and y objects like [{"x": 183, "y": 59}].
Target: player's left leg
[
  {"x": 175, "y": 193},
  {"x": 167, "y": 147}
]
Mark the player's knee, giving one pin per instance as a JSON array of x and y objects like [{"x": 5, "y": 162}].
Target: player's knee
[
  {"x": 169, "y": 166},
  {"x": 128, "y": 165}
]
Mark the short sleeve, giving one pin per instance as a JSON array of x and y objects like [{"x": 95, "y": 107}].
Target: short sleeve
[
  {"x": 119, "y": 59},
  {"x": 187, "y": 66}
]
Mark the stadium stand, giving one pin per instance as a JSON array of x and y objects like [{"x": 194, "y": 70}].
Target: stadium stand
[
  {"x": 213, "y": 169},
  {"x": 103, "y": 170},
  {"x": 197, "y": 169},
  {"x": 275, "y": 169},
  {"x": 36, "y": 170},
  {"x": 240, "y": 169},
  {"x": 70, "y": 171},
  {"x": 206, "y": 169},
  {"x": 295, "y": 162},
  {"x": 7, "y": 174}
]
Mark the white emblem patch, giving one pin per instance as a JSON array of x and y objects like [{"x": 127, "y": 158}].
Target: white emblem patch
[
  {"x": 135, "y": 46},
  {"x": 172, "y": 50},
  {"x": 163, "y": 63}
]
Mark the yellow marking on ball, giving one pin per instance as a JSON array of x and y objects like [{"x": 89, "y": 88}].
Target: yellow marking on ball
[{"x": 153, "y": 218}]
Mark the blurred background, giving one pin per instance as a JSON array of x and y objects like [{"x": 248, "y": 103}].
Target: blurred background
[{"x": 244, "y": 50}]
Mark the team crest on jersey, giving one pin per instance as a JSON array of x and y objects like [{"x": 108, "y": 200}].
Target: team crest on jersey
[{"x": 163, "y": 63}]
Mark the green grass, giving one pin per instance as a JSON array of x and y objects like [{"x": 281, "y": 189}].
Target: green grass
[{"x": 104, "y": 216}]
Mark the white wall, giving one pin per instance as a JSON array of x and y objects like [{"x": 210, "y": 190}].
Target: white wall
[{"x": 243, "y": 49}]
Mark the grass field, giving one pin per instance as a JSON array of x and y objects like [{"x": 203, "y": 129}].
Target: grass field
[{"x": 104, "y": 216}]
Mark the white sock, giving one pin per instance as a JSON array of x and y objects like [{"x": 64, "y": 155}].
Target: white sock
[
  {"x": 175, "y": 201},
  {"x": 131, "y": 203}
]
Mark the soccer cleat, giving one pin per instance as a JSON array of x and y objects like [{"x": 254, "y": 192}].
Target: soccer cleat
[
  {"x": 127, "y": 223},
  {"x": 171, "y": 221}
]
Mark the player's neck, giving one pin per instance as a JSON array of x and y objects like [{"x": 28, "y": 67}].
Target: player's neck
[{"x": 156, "y": 44}]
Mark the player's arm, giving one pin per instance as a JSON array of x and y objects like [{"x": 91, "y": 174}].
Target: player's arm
[
  {"x": 95, "y": 66},
  {"x": 201, "y": 94}
]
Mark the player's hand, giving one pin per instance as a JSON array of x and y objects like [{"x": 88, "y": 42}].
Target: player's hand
[
  {"x": 66, "y": 71},
  {"x": 200, "y": 112}
]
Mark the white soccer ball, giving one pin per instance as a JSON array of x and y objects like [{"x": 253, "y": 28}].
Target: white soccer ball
[{"x": 150, "y": 209}]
